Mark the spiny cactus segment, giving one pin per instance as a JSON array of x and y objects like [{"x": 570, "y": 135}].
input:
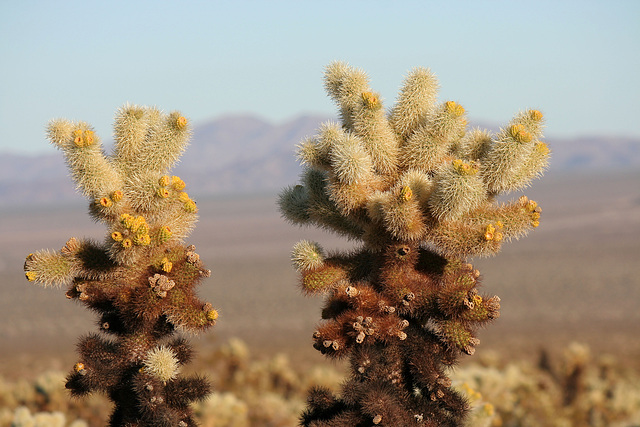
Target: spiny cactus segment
[
  {"x": 141, "y": 279},
  {"x": 418, "y": 190}
]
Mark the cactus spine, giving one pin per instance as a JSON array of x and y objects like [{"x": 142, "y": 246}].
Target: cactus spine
[
  {"x": 418, "y": 190},
  {"x": 141, "y": 279}
]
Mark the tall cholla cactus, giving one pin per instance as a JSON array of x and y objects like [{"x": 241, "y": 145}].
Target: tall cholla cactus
[
  {"x": 419, "y": 191},
  {"x": 141, "y": 279}
]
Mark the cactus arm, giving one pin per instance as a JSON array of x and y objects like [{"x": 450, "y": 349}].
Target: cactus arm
[
  {"x": 415, "y": 102},
  {"x": 371, "y": 125},
  {"x": 345, "y": 85},
  {"x": 91, "y": 170}
]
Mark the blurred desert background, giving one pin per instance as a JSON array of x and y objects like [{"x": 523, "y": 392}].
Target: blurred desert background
[{"x": 569, "y": 291}]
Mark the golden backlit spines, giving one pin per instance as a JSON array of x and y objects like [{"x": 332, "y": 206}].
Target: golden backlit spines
[
  {"x": 365, "y": 160},
  {"x": 140, "y": 279},
  {"x": 419, "y": 192}
]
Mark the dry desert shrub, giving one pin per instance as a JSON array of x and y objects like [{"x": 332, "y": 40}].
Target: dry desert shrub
[{"x": 271, "y": 391}]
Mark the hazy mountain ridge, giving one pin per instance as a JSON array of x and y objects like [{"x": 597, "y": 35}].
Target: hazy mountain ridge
[{"x": 245, "y": 154}]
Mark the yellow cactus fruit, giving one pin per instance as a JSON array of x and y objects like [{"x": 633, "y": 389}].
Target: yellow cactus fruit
[
  {"x": 127, "y": 243},
  {"x": 535, "y": 224},
  {"x": 142, "y": 239},
  {"x": 519, "y": 133},
  {"x": 105, "y": 202},
  {"x": 77, "y": 138},
  {"x": 371, "y": 100},
  {"x": 127, "y": 220},
  {"x": 163, "y": 192},
  {"x": 166, "y": 265},
  {"x": 531, "y": 206},
  {"x": 514, "y": 130},
  {"x": 464, "y": 168},
  {"x": 181, "y": 122},
  {"x": 117, "y": 236},
  {"x": 142, "y": 229},
  {"x": 489, "y": 233},
  {"x": 212, "y": 315},
  {"x": 183, "y": 197},
  {"x": 164, "y": 181},
  {"x": 535, "y": 115},
  {"x": 454, "y": 108},
  {"x": 138, "y": 225},
  {"x": 498, "y": 237},
  {"x": 177, "y": 183},
  {"x": 78, "y": 367},
  {"x": 542, "y": 148},
  {"x": 164, "y": 234},
  {"x": 190, "y": 206},
  {"x": 116, "y": 196},
  {"x": 406, "y": 194},
  {"x": 31, "y": 276},
  {"x": 83, "y": 138},
  {"x": 88, "y": 137}
]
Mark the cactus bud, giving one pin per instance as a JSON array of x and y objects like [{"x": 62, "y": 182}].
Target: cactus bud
[
  {"x": 371, "y": 100},
  {"x": 454, "y": 108},
  {"x": 88, "y": 137},
  {"x": 142, "y": 239},
  {"x": 406, "y": 194},
  {"x": 518, "y": 133},
  {"x": 164, "y": 234},
  {"x": 183, "y": 197},
  {"x": 116, "y": 196},
  {"x": 166, "y": 265},
  {"x": 177, "y": 183},
  {"x": 212, "y": 315},
  {"x": 190, "y": 206},
  {"x": 105, "y": 202},
  {"x": 535, "y": 115},
  {"x": 77, "y": 138},
  {"x": 181, "y": 122}
]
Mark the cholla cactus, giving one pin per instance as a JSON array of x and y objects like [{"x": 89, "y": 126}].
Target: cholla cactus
[
  {"x": 419, "y": 192},
  {"x": 141, "y": 279}
]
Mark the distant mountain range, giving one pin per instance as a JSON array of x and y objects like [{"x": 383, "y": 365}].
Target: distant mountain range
[{"x": 245, "y": 154}]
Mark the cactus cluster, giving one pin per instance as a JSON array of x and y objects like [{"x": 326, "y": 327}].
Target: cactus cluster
[
  {"x": 141, "y": 279},
  {"x": 419, "y": 191}
]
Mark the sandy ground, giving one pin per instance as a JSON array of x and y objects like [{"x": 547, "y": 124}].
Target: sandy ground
[{"x": 572, "y": 279}]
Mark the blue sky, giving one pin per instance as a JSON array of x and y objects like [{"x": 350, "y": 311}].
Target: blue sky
[{"x": 577, "y": 61}]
